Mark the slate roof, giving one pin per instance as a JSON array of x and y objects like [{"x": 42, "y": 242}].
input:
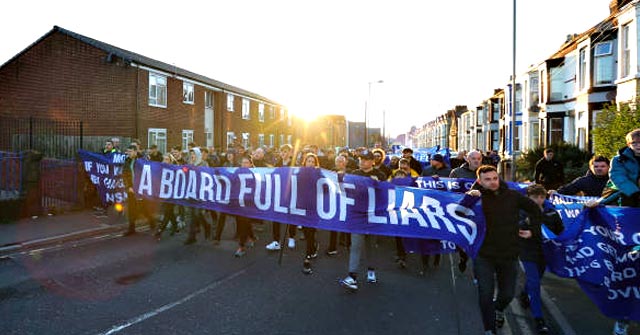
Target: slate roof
[{"x": 129, "y": 56}]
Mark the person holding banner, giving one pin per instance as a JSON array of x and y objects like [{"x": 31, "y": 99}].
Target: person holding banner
[
  {"x": 378, "y": 162},
  {"x": 243, "y": 224},
  {"x": 340, "y": 168},
  {"x": 134, "y": 204},
  {"x": 168, "y": 214},
  {"x": 360, "y": 241},
  {"x": 285, "y": 160},
  {"x": 623, "y": 189},
  {"x": 498, "y": 255},
  {"x": 311, "y": 161},
  {"x": 195, "y": 216},
  {"x": 413, "y": 163},
  {"x": 531, "y": 254},
  {"x": 591, "y": 184}
]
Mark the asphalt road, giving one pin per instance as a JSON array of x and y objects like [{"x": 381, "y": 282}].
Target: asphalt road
[{"x": 136, "y": 285}]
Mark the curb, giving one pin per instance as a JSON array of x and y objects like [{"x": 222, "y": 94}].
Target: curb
[{"x": 53, "y": 240}]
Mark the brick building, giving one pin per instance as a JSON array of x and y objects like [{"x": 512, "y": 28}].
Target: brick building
[{"x": 115, "y": 92}]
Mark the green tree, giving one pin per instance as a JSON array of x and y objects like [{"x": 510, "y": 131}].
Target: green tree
[{"x": 612, "y": 124}]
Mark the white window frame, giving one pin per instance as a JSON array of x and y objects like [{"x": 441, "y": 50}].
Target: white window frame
[
  {"x": 231, "y": 136},
  {"x": 246, "y": 109},
  {"x": 246, "y": 140},
  {"x": 157, "y": 90},
  {"x": 289, "y": 137},
  {"x": 272, "y": 140},
  {"x": 230, "y": 102},
  {"x": 208, "y": 126},
  {"x": 281, "y": 139},
  {"x": 159, "y": 138},
  {"x": 260, "y": 140},
  {"x": 188, "y": 93},
  {"x": 272, "y": 112},
  {"x": 600, "y": 60},
  {"x": 625, "y": 51},
  {"x": 289, "y": 119},
  {"x": 261, "y": 112},
  {"x": 208, "y": 99},
  {"x": 582, "y": 68},
  {"x": 597, "y": 51},
  {"x": 187, "y": 137},
  {"x": 282, "y": 114}
]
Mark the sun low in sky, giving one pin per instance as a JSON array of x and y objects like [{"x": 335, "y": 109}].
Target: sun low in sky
[{"x": 317, "y": 57}]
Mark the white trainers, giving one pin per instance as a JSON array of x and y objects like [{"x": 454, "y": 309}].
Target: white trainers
[
  {"x": 291, "y": 243},
  {"x": 371, "y": 276},
  {"x": 273, "y": 246},
  {"x": 349, "y": 283},
  {"x": 621, "y": 328}
]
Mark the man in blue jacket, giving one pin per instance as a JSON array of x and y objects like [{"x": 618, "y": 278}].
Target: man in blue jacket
[{"x": 623, "y": 187}]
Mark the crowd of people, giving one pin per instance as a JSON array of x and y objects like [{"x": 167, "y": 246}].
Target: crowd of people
[{"x": 513, "y": 220}]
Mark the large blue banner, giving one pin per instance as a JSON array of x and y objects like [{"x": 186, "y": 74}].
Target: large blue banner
[
  {"x": 314, "y": 198},
  {"x": 597, "y": 249},
  {"x": 105, "y": 172}
]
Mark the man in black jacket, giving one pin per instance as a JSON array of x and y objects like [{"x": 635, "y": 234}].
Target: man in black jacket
[
  {"x": 548, "y": 171},
  {"x": 134, "y": 205},
  {"x": 592, "y": 183},
  {"x": 498, "y": 255}
]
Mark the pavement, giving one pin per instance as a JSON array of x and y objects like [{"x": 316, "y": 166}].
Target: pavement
[{"x": 569, "y": 310}]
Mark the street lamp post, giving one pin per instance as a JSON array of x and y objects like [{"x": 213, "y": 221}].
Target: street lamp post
[{"x": 366, "y": 130}]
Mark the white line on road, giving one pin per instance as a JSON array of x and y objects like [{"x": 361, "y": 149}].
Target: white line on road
[{"x": 167, "y": 307}]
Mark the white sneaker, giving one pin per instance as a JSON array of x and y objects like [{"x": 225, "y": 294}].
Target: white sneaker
[
  {"x": 371, "y": 276},
  {"x": 273, "y": 246},
  {"x": 349, "y": 283},
  {"x": 291, "y": 243},
  {"x": 621, "y": 328}
]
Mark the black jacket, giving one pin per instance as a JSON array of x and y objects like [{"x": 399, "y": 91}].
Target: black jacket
[
  {"x": 531, "y": 248},
  {"x": 549, "y": 173},
  {"x": 501, "y": 209},
  {"x": 589, "y": 184}
]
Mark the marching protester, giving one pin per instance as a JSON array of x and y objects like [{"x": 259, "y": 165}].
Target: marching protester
[
  {"x": 467, "y": 170},
  {"x": 413, "y": 163},
  {"x": 549, "y": 171},
  {"x": 230, "y": 161},
  {"x": 243, "y": 224},
  {"x": 154, "y": 154},
  {"x": 168, "y": 214},
  {"x": 405, "y": 165},
  {"x": 437, "y": 167},
  {"x": 623, "y": 189},
  {"x": 341, "y": 168},
  {"x": 285, "y": 160},
  {"x": 195, "y": 216},
  {"x": 531, "y": 253},
  {"x": 378, "y": 162},
  {"x": 360, "y": 241},
  {"x": 460, "y": 159},
  {"x": 498, "y": 255},
  {"x": 592, "y": 183},
  {"x": 310, "y": 160},
  {"x": 469, "y": 167},
  {"x": 135, "y": 205}
]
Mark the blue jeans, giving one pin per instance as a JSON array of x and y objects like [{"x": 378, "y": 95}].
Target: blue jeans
[
  {"x": 534, "y": 272},
  {"x": 487, "y": 272}
]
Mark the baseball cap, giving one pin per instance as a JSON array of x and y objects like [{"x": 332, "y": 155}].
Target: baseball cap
[{"x": 366, "y": 154}]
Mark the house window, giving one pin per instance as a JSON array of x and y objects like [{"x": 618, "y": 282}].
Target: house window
[
  {"x": 230, "y": 102},
  {"x": 625, "y": 65},
  {"x": 231, "y": 137},
  {"x": 260, "y": 140},
  {"x": 272, "y": 112},
  {"x": 157, "y": 90},
  {"x": 208, "y": 126},
  {"x": 158, "y": 136},
  {"x": 535, "y": 134},
  {"x": 246, "y": 111},
  {"x": 289, "y": 139},
  {"x": 281, "y": 139},
  {"x": 282, "y": 114},
  {"x": 187, "y": 137},
  {"x": 533, "y": 93},
  {"x": 582, "y": 77},
  {"x": 245, "y": 140},
  {"x": 289, "y": 120},
  {"x": 272, "y": 140},
  {"x": 557, "y": 84},
  {"x": 555, "y": 130},
  {"x": 187, "y": 93},
  {"x": 604, "y": 65},
  {"x": 208, "y": 99},
  {"x": 261, "y": 112}
]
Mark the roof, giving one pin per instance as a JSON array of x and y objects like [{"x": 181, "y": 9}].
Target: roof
[
  {"x": 129, "y": 56},
  {"x": 596, "y": 32}
]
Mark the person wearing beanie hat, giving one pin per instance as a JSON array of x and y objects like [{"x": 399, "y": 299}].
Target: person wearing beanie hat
[{"x": 437, "y": 167}]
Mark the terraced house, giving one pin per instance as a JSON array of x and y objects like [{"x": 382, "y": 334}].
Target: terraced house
[{"x": 115, "y": 92}]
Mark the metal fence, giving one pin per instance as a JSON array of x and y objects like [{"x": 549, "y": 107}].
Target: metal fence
[
  {"x": 10, "y": 175},
  {"x": 53, "y": 138}
]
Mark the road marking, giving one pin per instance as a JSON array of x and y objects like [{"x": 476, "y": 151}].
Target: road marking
[{"x": 167, "y": 307}]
